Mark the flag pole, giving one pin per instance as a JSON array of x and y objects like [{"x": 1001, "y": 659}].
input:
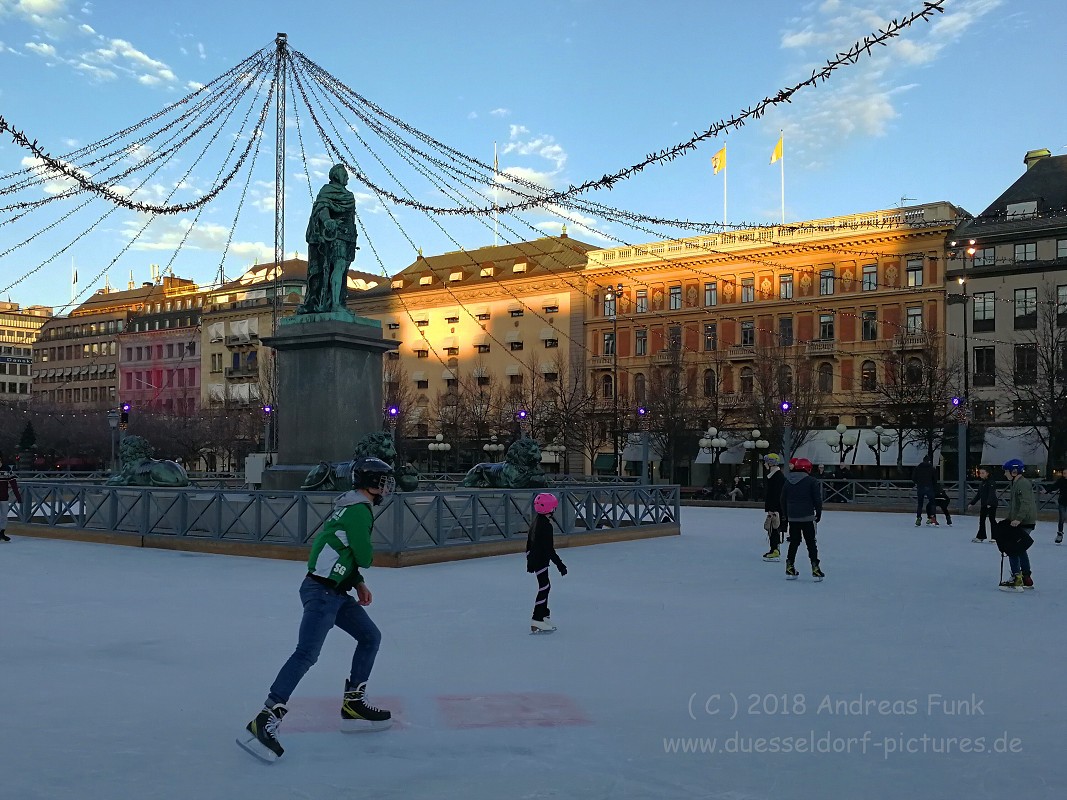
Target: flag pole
[
  {"x": 781, "y": 137},
  {"x": 724, "y": 218},
  {"x": 496, "y": 211}
]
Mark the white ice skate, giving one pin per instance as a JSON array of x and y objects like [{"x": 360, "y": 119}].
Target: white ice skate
[{"x": 541, "y": 626}]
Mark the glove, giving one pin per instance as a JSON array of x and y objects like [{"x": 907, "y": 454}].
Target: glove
[
  {"x": 818, "y": 517},
  {"x": 562, "y": 568}
]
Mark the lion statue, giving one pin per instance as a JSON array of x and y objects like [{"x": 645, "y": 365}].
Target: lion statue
[
  {"x": 520, "y": 469},
  {"x": 334, "y": 477},
  {"x": 140, "y": 469}
]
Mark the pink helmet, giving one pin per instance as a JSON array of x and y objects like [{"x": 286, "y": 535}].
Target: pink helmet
[{"x": 545, "y": 503}]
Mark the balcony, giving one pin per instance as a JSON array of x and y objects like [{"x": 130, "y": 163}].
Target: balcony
[
  {"x": 248, "y": 371},
  {"x": 741, "y": 352},
  {"x": 252, "y": 340},
  {"x": 601, "y": 361},
  {"x": 821, "y": 347},
  {"x": 667, "y": 357},
  {"x": 911, "y": 341}
]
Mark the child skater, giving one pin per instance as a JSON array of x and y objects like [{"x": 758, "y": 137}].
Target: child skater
[
  {"x": 540, "y": 550},
  {"x": 986, "y": 499}
]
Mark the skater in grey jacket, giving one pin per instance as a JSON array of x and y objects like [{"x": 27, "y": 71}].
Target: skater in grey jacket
[{"x": 802, "y": 504}]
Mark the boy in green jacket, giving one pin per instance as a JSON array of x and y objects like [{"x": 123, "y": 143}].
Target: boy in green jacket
[
  {"x": 1013, "y": 532},
  {"x": 338, "y": 551}
]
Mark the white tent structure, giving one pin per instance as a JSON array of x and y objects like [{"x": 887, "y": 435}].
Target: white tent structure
[{"x": 1024, "y": 443}]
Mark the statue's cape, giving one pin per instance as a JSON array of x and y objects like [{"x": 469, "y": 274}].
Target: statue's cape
[{"x": 340, "y": 204}]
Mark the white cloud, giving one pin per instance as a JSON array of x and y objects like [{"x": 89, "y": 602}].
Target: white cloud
[
  {"x": 149, "y": 80},
  {"x": 43, "y": 8},
  {"x": 87, "y": 29},
  {"x": 499, "y": 112},
  {"x": 472, "y": 115},
  {"x": 168, "y": 233},
  {"x": 94, "y": 72},
  {"x": 200, "y": 50},
  {"x": 43, "y": 50},
  {"x": 517, "y": 130}
]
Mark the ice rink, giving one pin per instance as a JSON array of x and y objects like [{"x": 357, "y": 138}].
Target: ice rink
[{"x": 127, "y": 673}]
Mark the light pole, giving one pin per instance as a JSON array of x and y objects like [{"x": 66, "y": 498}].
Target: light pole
[
  {"x": 268, "y": 412},
  {"x": 963, "y": 439},
  {"x": 642, "y": 421},
  {"x": 113, "y": 424},
  {"x": 493, "y": 449},
  {"x": 754, "y": 445},
  {"x": 711, "y": 442},
  {"x": 522, "y": 416},
  {"x": 439, "y": 445},
  {"x": 879, "y": 441},
  {"x": 786, "y": 408},
  {"x": 613, "y": 296},
  {"x": 842, "y": 440}
]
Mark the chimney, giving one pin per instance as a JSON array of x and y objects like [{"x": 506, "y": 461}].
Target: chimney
[{"x": 1033, "y": 156}]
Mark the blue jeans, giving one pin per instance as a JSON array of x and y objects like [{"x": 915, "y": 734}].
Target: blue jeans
[
  {"x": 1020, "y": 563},
  {"x": 927, "y": 493},
  {"x": 324, "y": 608}
]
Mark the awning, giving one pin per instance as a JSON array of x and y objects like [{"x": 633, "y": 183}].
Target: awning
[
  {"x": 418, "y": 376},
  {"x": 481, "y": 311},
  {"x": 549, "y": 333},
  {"x": 549, "y": 302},
  {"x": 513, "y": 336},
  {"x": 634, "y": 450},
  {"x": 512, "y": 369},
  {"x": 110, "y": 368},
  {"x": 449, "y": 342},
  {"x": 514, "y": 306},
  {"x": 733, "y": 454},
  {"x": 604, "y": 462},
  {"x": 481, "y": 372},
  {"x": 546, "y": 367},
  {"x": 1023, "y": 443},
  {"x": 480, "y": 339},
  {"x": 817, "y": 450},
  {"x": 448, "y": 374}
]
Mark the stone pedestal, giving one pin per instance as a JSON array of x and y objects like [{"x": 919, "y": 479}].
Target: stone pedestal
[{"x": 329, "y": 370}]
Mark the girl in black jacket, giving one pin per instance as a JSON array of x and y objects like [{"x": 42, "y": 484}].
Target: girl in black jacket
[
  {"x": 540, "y": 550},
  {"x": 986, "y": 498}
]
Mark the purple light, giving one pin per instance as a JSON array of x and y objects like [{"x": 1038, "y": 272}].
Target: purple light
[
  {"x": 786, "y": 406},
  {"x": 268, "y": 409},
  {"x": 522, "y": 414},
  {"x": 393, "y": 411},
  {"x": 641, "y": 411},
  {"x": 126, "y": 407},
  {"x": 956, "y": 401}
]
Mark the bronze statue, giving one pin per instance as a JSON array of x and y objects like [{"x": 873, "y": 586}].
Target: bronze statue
[
  {"x": 331, "y": 238},
  {"x": 140, "y": 469},
  {"x": 521, "y": 469},
  {"x": 328, "y": 477}
]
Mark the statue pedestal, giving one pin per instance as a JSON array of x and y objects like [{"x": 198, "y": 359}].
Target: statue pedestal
[{"x": 329, "y": 370}]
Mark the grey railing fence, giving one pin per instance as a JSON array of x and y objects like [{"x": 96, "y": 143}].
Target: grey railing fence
[{"x": 407, "y": 521}]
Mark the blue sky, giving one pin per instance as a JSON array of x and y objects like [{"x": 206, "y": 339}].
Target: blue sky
[{"x": 568, "y": 89}]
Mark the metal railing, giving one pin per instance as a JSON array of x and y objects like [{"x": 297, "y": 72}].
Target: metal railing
[{"x": 405, "y": 522}]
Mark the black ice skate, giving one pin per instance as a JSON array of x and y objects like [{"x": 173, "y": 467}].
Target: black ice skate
[
  {"x": 1059, "y": 537},
  {"x": 816, "y": 572},
  {"x": 261, "y": 736},
  {"x": 357, "y": 716},
  {"x": 790, "y": 571}
]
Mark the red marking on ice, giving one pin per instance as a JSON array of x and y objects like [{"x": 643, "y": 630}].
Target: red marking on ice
[
  {"x": 323, "y": 714},
  {"x": 513, "y": 710}
]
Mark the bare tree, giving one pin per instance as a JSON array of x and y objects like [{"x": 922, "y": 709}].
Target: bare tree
[{"x": 779, "y": 374}]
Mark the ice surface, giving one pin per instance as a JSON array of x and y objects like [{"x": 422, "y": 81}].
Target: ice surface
[{"x": 127, "y": 673}]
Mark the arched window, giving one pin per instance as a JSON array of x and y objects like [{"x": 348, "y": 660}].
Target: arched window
[
  {"x": 826, "y": 377},
  {"x": 639, "y": 388},
  {"x": 785, "y": 380},
  {"x": 913, "y": 371},
  {"x": 868, "y": 376},
  {"x": 746, "y": 380},
  {"x": 711, "y": 383},
  {"x": 607, "y": 386}
]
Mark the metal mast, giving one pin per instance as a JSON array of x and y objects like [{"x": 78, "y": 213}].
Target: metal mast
[{"x": 279, "y": 174}]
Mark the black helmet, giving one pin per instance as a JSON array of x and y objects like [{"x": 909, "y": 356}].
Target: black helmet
[{"x": 373, "y": 473}]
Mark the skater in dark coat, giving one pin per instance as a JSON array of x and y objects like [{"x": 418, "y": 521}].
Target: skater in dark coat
[
  {"x": 923, "y": 478},
  {"x": 775, "y": 524},
  {"x": 1012, "y": 534},
  {"x": 1060, "y": 487},
  {"x": 540, "y": 551},
  {"x": 941, "y": 500},
  {"x": 986, "y": 500},
  {"x": 8, "y": 486},
  {"x": 802, "y": 504}
]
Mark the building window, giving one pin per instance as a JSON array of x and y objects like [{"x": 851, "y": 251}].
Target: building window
[
  {"x": 748, "y": 333},
  {"x": 483, "y": 316},
  {"x": 785, "y": 331},
  {"x": 984, "y": 366},
  {"x": 711, "y": 383},
  {"x": 516, "y": 345},
  {"x": 915, "y": 272},
  {"x": 748, "y": 290},
  {"x": 393, "y": 326},
  {"x": 746, "y": 381},
  {"x": 609, "y": 304},
  {"x": 826, "y": 377},
  {"x": 870, "y": 277},
  {"x": 675, "y": 298},
  {"x": 422, "y": 323},
  {"x": 826, "y": 281},
  {"x": 674, "y": 338},
  {"x": 1061, "y": 248},
  {"x": 641, "y": 342},
  {"x": 551, "y": 309},
  {"x": 1022, "y": 412},
  {"x": 868, "y": 376},
  {"x": 641, "y": 301},
  {"x": 515, "y": 380},
  {"x": 984, "y": 411},
  {"x": 983, "y": 311},
  {"x": 451, "y": 351},
  {"x": 422, "y": 353},
  {"x": 1061, "y": 306},
  {"x": 826, "y": 326},
  {"x": 449, "y": 321},
  {"x": 483, "y": 380},
  {"x": 551, "y": 377},
  {"x": 606, "y": 386},
  {"x": 869, "y": 320},
  {"x": 711, "y": 336},
  {"x": 785, "y": 380},
  {"x": 914, "y": 319},
  {"x": 785, "y": 287},
  {"x": 551, "y": 343},
  {"x": 985, "y": 257},
  {"x": 393, "y": 355},
  {"x": 422, "y": 384},
  {"x": 913, "y": 372},
  {"x": 1025, "y": 364},
  {"x": 451, "y": 383},
  {"x": 1026, "y": 252},
  {"x": 711, "y": 293},
  {"x": 609, "y": 344},
  {"x": 516, "y": 312},
  {"x": 1025, "y": 309}
]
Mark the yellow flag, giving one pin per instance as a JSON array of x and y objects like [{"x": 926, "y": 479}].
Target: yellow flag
[
  {"x": 718, "y": 161},
  {"x": 777, "y": 154}
]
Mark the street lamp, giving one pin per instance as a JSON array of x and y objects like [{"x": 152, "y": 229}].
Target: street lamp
[
  {"x": 711, "y": 442},
  {"x": 493, "y": 449},
  {"x": 842, "y": 440},
  {"x": 113, "y": 424},
  {"x": 786, "y": 407},
  {"x": 963, "y": 439},
  {"x": 613, "y": 298},
  {"x": 879, "y": 441},
  {"x": 642, "y": 423},
  {"x": 268, "y": 413},
  {"x": 754, "y": 445},
  {"x": 439, "y": 445}
]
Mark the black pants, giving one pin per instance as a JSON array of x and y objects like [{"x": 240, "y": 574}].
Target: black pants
[
  {"x": 805, "y": 530},
  {"x": 987, "y": 513},
  {"x": 942, "y": 503},
  {"x": 924, "y": 493},
  {"x": 776, "y": 535},
  {"x": 544, "y": 586}
]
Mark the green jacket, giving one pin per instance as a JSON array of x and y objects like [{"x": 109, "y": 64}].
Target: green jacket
[
  {"x": 1021, "y": 503},
  {"x": 344, "y": 543}
]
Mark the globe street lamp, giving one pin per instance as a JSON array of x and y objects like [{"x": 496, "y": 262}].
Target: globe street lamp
[
  {"x": 879, "y": 441},
  {"x": 711, "y": 442},
  {"x": 493, "y": 449},
  {"x": 754, "y": 445},
  {"x": 841, "y": 440},
  {"x": 439, "y": 445}
]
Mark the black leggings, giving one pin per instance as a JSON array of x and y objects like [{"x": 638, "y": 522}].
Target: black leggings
[
  {"x": 805, "y": 530},
  {"x": 776, "y": 535},
  {"x": 987, "y": 513},
  {"x": 544, "y": 586}
]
